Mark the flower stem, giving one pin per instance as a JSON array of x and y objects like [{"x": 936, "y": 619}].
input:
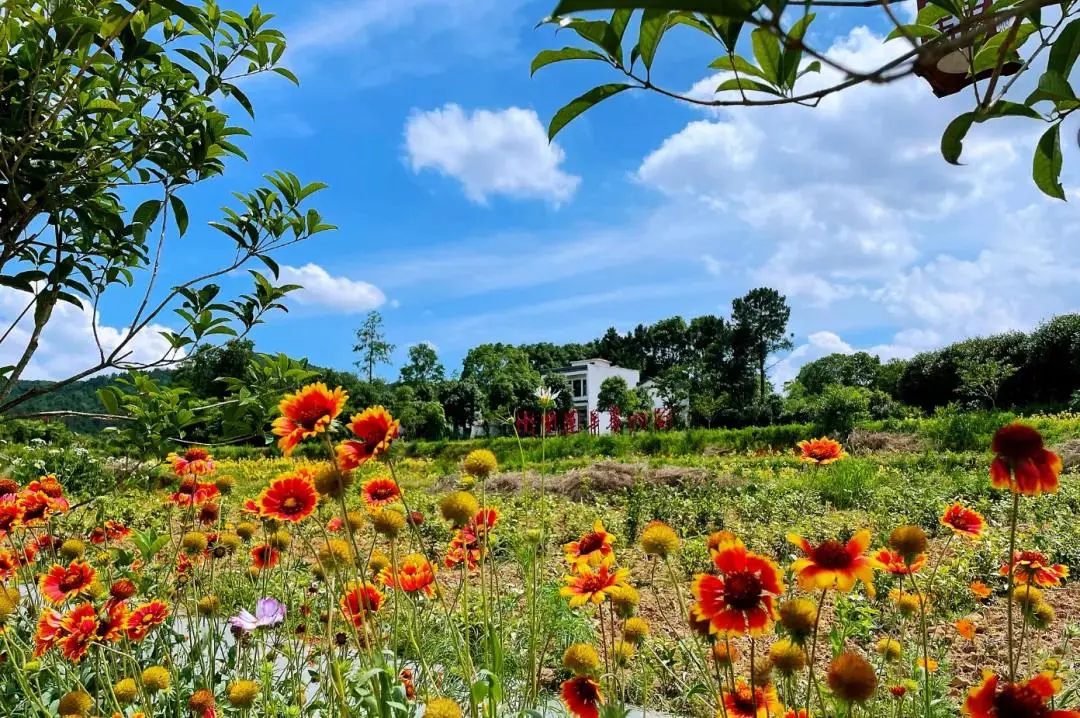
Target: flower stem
[{"x": 1012, "y": 572}]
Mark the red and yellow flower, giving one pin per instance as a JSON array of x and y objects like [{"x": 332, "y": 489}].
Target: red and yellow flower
[
  {"x": 379, "y": 492},
  {"x": 264, "y": 556},
  {"x": 832, "y": 564},
  {"x": 582, "y": 697},
  {"x": 591, "y": 586},
  {"x": 980, "y": 590},
  {"x": 10, "y": 513},
  {"x": 747, "y": 702},
  {"x": 375, "y": 430},
  {"x": 289, "y": 498},
  {"x": 1025, "y": 699},
  {"x": 360, "y": 601},
  {"x": 740, "y": 599},
  {"x": 593, "y": 549},
  {"x": 48, "y": 631},
  {"x": 964, "y": 521},
  {"x": 892, "y": 562},
  {"x": 196, "y": 461},
  {"x": 1034, "y": 567},
  {"x": 1021, "y": 462},
  {"x": 113, "y": 624},
  {"x": 78, "y": 629},
  {"x": 307, "y": 413},
  {"x": 966, "y": 628},
  {"x": 414, "y": 574},
  {"x": 465, "y": 547},
  {"x": 145, "y": 617},
  {"x": 60, "y": 583},
  {"x": 192, "y": 491},
  {"x": 821, "y": 451}
]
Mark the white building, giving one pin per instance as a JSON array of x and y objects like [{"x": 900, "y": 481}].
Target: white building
[{"x": 585, "y": 377}]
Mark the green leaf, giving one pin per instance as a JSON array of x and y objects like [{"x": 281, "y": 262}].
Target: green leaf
[
  {"x": 1066, "y": 48},
  {"x": 790, "y": 57},
  {"x": 107, "y": 397},
  {"x": 147, "y": 212},
  {"x": 1046, "y": 166},
  {"x": 736, "y": 63},
  {"x": 185, "y": 12},
  {"x": 548, "y": 57},
  {"x": 101, "y": 104},
  {"x": 1053, "y": 87},
  {"x": 654, "y": 23},
  {"x": 1004, "y": 108},
  {"x": 579, "y": 104},
  {"x": 923, "y": 32},
  {"x": 180, "y": 213},
  {"x": 742, "y": 83},
  {"x": 988, "y": 55},
  {"x": 952, "y": 141},
  {"x": 599, "y": 33},
  {"x": 767, "y": 53},
  {"x": 619, "y": 20},
  {"x": 931, "y": 15},
  {"x": 287, "y": 74},
  {"x": 814, "y": 66}
]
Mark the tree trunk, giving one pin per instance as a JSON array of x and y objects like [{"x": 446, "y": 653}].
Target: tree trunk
[{"x": 761, "y": 380}]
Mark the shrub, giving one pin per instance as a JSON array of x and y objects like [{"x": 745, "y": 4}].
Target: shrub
[
  {"x": 840, "y": 408},
  {"x": 80, "y": 472},
  {"x": 953, "y": 429},
  {"x": 846, "y": 484}
]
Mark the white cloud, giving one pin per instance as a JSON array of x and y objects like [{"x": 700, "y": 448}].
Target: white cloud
[
  {"x": 67, "y": 345},
  {"x": 322, "y": 290},
  {"x": 854, "y": 215},
  {"x": 712, "y": 265},
  {"x": 817, "y": 345},
  {"x": 490, "y": 152}
]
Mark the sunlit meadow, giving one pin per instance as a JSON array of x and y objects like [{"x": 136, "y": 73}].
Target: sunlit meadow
[{"x": 786, "y": 585}]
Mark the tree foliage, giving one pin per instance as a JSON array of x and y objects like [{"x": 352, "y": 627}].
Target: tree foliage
[
  {"x": 106, "y": 103},
  {"x": 371, "y": 345},
  {"x": 760, "y": 320},
  {"x": 782, "y": 53}
]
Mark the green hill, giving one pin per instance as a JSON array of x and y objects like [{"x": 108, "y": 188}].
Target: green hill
[{"x": 80, "y": 396}]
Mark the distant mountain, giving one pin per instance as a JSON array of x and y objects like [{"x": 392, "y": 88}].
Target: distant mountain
[{"x": 80, "y": 396}]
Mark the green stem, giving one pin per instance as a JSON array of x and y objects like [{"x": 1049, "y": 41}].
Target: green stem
[{"x": 1012, "y": 572}]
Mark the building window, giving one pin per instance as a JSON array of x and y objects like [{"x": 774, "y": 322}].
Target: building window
[{"x": 581, "y": 388}]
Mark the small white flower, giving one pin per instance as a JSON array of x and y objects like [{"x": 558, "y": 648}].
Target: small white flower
[{"x": 546, "y": 396}]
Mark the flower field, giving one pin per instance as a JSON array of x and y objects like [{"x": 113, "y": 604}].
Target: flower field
[{"x": 365, "y": 583}]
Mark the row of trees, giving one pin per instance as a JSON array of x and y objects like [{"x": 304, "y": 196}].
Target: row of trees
[
  {"x": 715, "y": 366},
  {"x": 1017, "y": 370}
]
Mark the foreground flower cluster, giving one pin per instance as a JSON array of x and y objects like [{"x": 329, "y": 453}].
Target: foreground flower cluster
[{"x": 327, "y": 592}]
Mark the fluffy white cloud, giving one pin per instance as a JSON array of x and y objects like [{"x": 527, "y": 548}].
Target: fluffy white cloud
[
  {"x": 502, "y": 152},
  {"x": 322, "y": 290},
  {"x": 67, "y": 345},
  {"x": 817, "y": 345},
  {"x": 851, "y": 211}
]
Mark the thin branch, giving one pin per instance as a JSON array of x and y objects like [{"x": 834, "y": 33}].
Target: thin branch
[{"x": 62, "y": 413}]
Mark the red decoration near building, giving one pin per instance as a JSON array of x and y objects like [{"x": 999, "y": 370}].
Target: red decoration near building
[
  {"x": 551, "y": 423},
  {"x": 614, "y": 420},
  {"x": 661, "y": 419},
  {"x": 569, "y": 422},
  {"x": 525, "y": 421},
  {"x": 639, "y": 421},
  {"x": 594, "y": 422}
]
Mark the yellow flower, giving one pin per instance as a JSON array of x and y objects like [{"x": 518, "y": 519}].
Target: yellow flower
[
  {"x": 908, "y": 541},
  {"x": 624, "y": 598},
  {"x": 659, "y": 539},
  {"x": 440, "y": 707},
  {"x": 209, "y": 605},
  {"x": 280, "y": 540},
  {"x": 459, "y": 507},
  {"x": 72, "y": 549},
  {"x": 388, "y": 522},
  {"x": 193, "y": 542},
  {"x": 76, "y": 703},
  {"x": 798, "y": 616},
  {"x": 242, "y": 694},
  {"x": 635, "y": 629},
  {"x": 332, "y": 482},
  {"x": 246, "y": 530},
  {"x": 126, "y": 691},
  {"x": 851, "y": 678},
  {"x": 787, "y": 656},
  {"x": 155, "y": 678},
  {"x": 889, "y": 649},
  {"x": 624, "y": 652},
  {"x": 335, "y": 554},
  {"x": 480, "y": 463},
  {"x": 581, "y": 659}
]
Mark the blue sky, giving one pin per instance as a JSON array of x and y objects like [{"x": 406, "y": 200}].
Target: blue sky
[{"x": 462, "y": 225}]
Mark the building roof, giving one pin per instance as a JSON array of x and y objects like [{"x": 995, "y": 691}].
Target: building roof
[{"x": 582, "y": 363}]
